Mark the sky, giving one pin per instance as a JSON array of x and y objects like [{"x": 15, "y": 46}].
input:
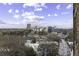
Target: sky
[{"x": 18, "y": 15}]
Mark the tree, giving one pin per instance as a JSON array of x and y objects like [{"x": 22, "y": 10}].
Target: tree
[
  {"x": 53, "y": 37},
  {"x": 64, "y": 31},
  {"x": 17, "y": 50},
  {"x": 27, "y": 32},
  {"x": 34, "y": 40},
  {"x": 22, "y": 51},
  {"x": 75, "y": 27},
  {"x": 70, "y": 37},
  {"x": 48, "y": 49}
]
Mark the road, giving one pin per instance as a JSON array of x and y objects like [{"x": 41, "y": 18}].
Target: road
[{"x": 64, "y": 49}]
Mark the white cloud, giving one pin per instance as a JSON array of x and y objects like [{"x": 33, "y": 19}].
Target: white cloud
[
  {"x": 7, "y": 3},
  {"x": 10, "y": 10},
  {"x": 4, "y": 3},
  {"x": 12, "y": 22},
  {"x": 42, "y": 17},
  {"x": 27, "y": 14},
  {"x": 16, "y": 11},
  {"x": 24, "y": 21},
  {"x": 49, "y": 15},
  {"x": 58, "y": 7},
  {"x": 69, "y": 6},
  {"x": 17, "y": 22},
  {"x": 38, "y": 9},
  {"x": 65, "y": 13},
  {"x": 16, "y": 16},
  {"x": 55, "y": 14},
  {"x": 31, "y": 17},
  {"x": 43, "y": 5},
  {"x": 29, "y": 4},
  {"x": 35, "y": 5}
]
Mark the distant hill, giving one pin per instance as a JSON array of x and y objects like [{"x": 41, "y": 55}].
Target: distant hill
[
  {"x": 2, "y": 22},
  {"x": 62, "y": 30}
]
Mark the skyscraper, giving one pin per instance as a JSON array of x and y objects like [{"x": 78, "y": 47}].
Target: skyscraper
[
  {"x": 28, "y": 26},
  {"x": 50, "y": 29}
]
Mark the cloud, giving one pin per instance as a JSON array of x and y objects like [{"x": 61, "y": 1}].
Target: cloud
[
  {"x": 29, "y": 4},
  {"x": 35, "y": 5},
  {"x": 69, "y": 6},
  {"x": 17, "y": 23},
  {"x": 24, "y": 21},
  {"x": 16, "y": 11},
  {"x": 31, "y": 17},
  {"x": 7, "y": 3},
  {"x": 4, "y": 3},
  {"x": 38, "y": 9},
  {"x": 10, "y": 10},
  {"x": 55, "y": 14},
  {"x": 42, "y": 17},
  {"x": 65, "y": 13},
  {"x": 49, "y": 15},
  {"x": 44, "y": 5},
  {"x": 27, "y": 14},
  {"x": 2, "y": 22},
  {"x": 14, "y": 22},
  {"x": 16, "y": 16},
  {"x": 58, "y": 7}
]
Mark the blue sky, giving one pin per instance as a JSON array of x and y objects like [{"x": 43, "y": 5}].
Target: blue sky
[{"x": 44, "y": 14}]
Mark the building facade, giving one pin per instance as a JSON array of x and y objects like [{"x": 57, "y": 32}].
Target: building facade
[
  {"x": 28, "y": 26},
  {"x": 50, "y": 28}
]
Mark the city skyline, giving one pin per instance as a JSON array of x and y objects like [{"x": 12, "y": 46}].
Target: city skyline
[{"x": 44, "y": 14}]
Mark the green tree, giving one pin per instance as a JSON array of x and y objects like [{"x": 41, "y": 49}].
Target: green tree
[
  {"x": 48, "y": 49},
  {"x": 70, "y": 37},
  {"x": 65, "y": 31},
  {"x": 22, "y": 51},
  {"x": 53, "y": 37},
  {"x": 17, "y": 50},
  {"x": 75, "y": 20}
]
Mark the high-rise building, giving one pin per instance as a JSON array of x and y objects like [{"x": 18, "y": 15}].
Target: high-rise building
[
  {"x": 28, "y": 26},
  {"x": 50, "y": 29}
]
